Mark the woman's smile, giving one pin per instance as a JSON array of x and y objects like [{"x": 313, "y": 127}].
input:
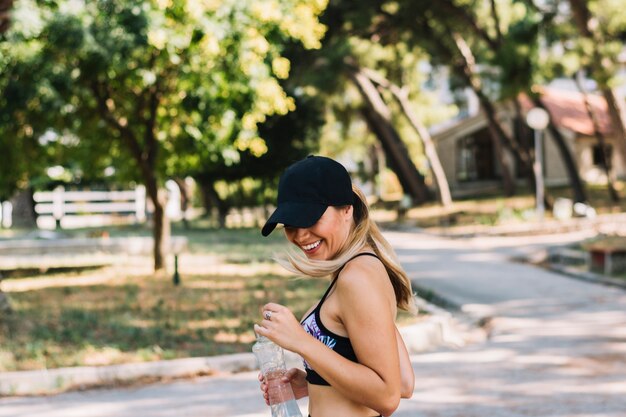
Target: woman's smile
[{"x": 312, "y": 246}]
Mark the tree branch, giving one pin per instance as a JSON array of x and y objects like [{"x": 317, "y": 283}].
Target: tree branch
[
  {"x": 496, "y": 20},
  {"x": 126, "y": 134},
  {"x": 402, "y": 97},
  {"x": 466, "y": 16}
]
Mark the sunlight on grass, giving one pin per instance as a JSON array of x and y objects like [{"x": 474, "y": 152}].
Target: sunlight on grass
[
  {"x": 124, "y": 313},
  {"x": 139, "y": 318},
  {"x": 492, "y": 210}
]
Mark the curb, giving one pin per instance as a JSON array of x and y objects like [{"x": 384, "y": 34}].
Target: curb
[
  {"x": 588, "y": 276},
  {"x": 440, "y": 329},
  {"x": 54, "y": 381},
  {"x": 541, "y": 259},
  {"x": 603, "y": 223}
]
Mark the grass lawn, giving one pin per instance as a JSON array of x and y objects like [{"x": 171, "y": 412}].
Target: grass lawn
[
  {"x": 124, "y": 313},
  {"x": 490, "y": 209},
  {"x": 141, "y": 318}
]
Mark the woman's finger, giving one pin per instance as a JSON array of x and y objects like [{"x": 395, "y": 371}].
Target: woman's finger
[
  {"x": 260, "y": 330},
  {"x": 273, "y": 307}
]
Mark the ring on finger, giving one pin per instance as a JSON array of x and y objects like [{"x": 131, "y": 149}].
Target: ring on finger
[{"x": 267, "y": 315}]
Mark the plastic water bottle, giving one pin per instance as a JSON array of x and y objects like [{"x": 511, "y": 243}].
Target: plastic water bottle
[{"x": 271, "y": 360}]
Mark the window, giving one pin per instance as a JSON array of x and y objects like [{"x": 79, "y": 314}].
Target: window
[
  {"x": 598, "y": 155},
  {"x": 475, "y": 157}
]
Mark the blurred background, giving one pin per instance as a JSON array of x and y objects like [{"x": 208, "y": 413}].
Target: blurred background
[{"x": 141, "y": 144}]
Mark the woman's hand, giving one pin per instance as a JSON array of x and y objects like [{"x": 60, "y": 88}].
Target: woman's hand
[
  {"x": 281, "y": 327},
  {"x": 295, "y": 377}
]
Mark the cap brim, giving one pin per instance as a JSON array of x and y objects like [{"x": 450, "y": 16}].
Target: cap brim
[{"x": 294, "y": 214}]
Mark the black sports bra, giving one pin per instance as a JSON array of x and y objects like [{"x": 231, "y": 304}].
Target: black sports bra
[{"x": 313, "y": 325}]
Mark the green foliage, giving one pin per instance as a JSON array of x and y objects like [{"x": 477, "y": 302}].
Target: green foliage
[
  {"x": 169, "y": 86},
  {"x": 569, "y": 50},
  {"x": 355, "y": 34}
]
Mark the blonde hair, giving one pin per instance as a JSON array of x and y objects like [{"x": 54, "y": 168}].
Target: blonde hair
[{"x": 365, "y": 233}]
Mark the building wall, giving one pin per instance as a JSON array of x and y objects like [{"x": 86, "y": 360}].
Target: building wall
[
  {"x": 592, "y": 173},
  {"x": 555, "y": 172},
  {"x": 619, "y": 165},
  {"x": 554, "y": 168}
]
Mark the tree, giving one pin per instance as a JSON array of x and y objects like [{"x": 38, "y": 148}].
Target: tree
[
  {"x": 5, "y": 10},
  {"x": 378, "y": 116},
  {"x": 7, "y": 184},
  {"x": 604, "y": 154},
  {"x": 401, "y": 96},
  {"x": 601, "y": 47},
  {"x": 143, "y": 75},
  {"x": 353, "y": 48},
  {"x": 491, "y": 47},
  {"x": 288, "y": 138},
  {"x": 583, "y": 39}
]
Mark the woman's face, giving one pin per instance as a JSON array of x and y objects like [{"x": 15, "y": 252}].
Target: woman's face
[{"x": 324, "y": 239}]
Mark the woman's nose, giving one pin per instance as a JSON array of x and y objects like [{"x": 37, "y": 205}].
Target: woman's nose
[{"x": 301, "y": 233}]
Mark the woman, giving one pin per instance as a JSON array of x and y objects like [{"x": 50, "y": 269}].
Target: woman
[{"x": 356, "y": 364}]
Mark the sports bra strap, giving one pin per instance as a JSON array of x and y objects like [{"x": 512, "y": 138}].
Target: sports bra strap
[
  {"x": 356, "y": 256},
  {"x": 339, "y": 271}
]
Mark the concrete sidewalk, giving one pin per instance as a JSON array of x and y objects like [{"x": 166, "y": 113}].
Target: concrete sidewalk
[{"x": 557, "y": 345}]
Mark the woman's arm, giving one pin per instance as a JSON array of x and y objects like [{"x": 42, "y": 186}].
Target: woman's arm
[
  {"x": 367, "y": 311},
  {"x": 406, "y": 369}
]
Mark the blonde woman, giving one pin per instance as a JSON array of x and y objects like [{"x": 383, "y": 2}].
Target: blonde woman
[{"x": 356, "y": 364}]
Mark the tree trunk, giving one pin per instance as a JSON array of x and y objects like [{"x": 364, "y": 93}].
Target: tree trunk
[
  {"x": 521, "y": 137},
  {"x": 145, "y": 153},
  {"x": 508, "y": 179},
  {"x": 618, "y": 119},
  {"x": 184, "y": 199},
  {"x": 606, "y": 164},
  {"x": 160, "y": 224},
  {"x": 498, "y": 136},
  {"x": 5, "y": 14},
  {"x": 377, "y": 158},
  {"x": 24, "y": 214},
  {"x": 211, "y": 199},
  {"x": 401, "y": 96},
  {"x": 378, "y": 118}
]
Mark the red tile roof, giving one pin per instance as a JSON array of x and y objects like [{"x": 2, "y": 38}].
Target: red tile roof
[{"x": 568, "y": 110}]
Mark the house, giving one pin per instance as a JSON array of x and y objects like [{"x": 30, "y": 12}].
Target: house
[{"x": 467, "y": 153}]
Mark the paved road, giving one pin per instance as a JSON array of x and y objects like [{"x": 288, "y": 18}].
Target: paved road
[{"x": 557, "y": 348}]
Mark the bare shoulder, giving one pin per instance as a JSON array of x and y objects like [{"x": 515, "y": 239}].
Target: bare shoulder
[{"x": 365, "y": 275}]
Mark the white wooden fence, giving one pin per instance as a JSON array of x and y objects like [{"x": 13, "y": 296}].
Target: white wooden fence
[{"x": 89, "y": 208}]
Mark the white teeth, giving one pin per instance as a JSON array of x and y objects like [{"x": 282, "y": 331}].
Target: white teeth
[{"x": 312, "y": 245}]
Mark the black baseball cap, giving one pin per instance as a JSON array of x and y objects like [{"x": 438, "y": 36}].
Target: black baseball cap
[{"x": 306, "y": 189}]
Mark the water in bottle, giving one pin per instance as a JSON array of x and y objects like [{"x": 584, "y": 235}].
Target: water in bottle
[{"x": 271, "y": 360}]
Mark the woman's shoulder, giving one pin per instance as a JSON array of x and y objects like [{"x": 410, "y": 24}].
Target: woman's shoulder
[
  {"x": 364, "y": 283},
  {"x": 363, "y": 271}
]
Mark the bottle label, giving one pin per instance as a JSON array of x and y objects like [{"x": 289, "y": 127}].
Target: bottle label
[{"x": 278, "y": 391}]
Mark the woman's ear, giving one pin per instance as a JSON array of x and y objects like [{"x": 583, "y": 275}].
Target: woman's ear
[{"x": 347, "y": 212}]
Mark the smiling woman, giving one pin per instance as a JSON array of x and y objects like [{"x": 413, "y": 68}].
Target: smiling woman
[{"x": 355, "y": 362}]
